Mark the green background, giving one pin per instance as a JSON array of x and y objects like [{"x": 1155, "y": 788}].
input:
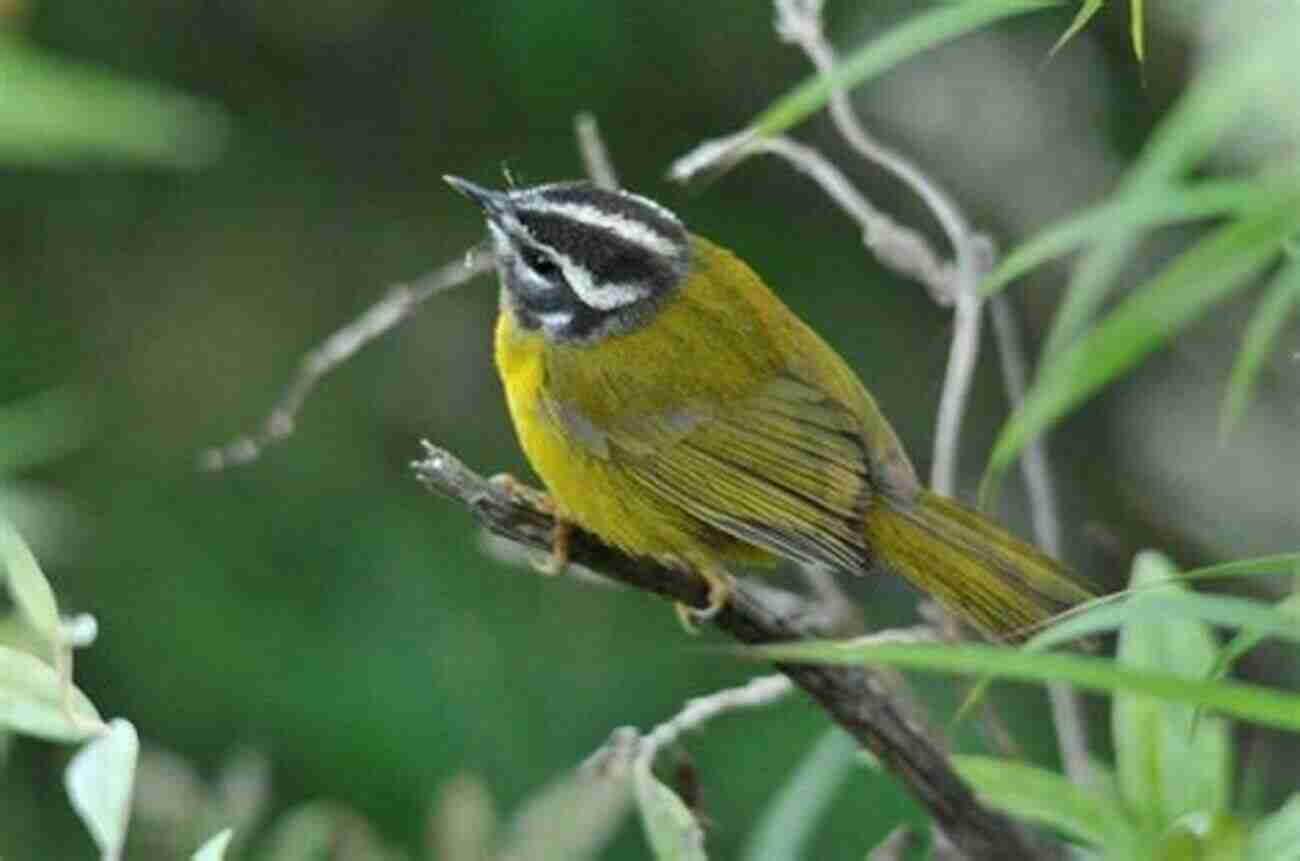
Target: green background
[{"x": 318, "y": 605}]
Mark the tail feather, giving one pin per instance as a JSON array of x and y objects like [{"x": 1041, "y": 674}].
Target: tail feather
[{"x": 972, "y": 566}]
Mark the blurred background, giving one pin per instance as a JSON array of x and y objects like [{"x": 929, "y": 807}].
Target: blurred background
[{"x": 316, "y": 606}]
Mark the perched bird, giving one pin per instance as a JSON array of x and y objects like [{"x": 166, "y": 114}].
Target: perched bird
[{"x": 676, "y": 408}]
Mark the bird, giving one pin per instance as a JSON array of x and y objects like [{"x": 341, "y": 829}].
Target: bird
[{"x": 674, "y": 407}]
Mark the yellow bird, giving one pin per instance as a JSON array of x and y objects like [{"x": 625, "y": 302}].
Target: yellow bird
[{"x": 676, "y": 408}]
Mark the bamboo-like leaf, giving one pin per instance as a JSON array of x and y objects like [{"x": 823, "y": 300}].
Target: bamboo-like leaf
[
  {"x": 1262, "y": 705},
  {"x": 1050, "y": 799},
  {"x": 1169, "y": 765},
  {"x": 672, "y": 829},
  {"x": 30, "y": 590},
  {"x": 99, "y": 780},
  {"x": 1277, "y": 837},
  {"x": 879, "y": 55},
  {"x": 1137, "y": 29},
  {"x": 1266, "y": 325},
  {"x": 1081, "y": 19},
  {"x": 55, "y": 111},
  {"x": 35, "y": 701},
  {"x": 1128, "y": 213},
  {"x": 1149, "y": 317},
  {"x": 1252, "y": 635},
  {"x": 791, "y": 818}
]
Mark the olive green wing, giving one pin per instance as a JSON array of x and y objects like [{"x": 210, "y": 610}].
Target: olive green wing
[{"x": 786, "y": 470}]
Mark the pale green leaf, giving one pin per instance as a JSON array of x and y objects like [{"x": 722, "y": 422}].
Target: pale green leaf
[
  {"x": 214, "y": 849},
  {"x": 1267, "y": 706},
  {"x": 1081, "y": 19},
  {"x": 35, "y": 701},
  {"x": 1127, "y": 213},
  {"x": 791, "y": 818},
  {"x": 1047, "y": 798},
  {"x": 56, "y": 111},
  {"x": 1168, "y": 763},
  {"x": 1277, "y": 837},
  {"x": 99, "y": 780},
  {"x": 574, "y": 816},
  {"x": 1148, "y": 318},
  {"x": 1252, "y": 635},
  {"x": 1137, "y": 29},
  {"x": 900, "y": 43},
  {"x": 670, "y": 826},
  {"x": 1266, "y": 324},
  {"x": 30, "y": 590}
]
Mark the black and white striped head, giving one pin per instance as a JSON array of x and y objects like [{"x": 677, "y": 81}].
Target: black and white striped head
[{"x": 578, "y": 262}]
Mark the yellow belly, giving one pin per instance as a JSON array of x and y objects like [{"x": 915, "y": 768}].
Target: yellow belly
[{"x": 589, "y": 490}]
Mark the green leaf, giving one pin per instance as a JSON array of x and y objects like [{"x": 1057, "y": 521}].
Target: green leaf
[
  {"x": 1128, "y": 213},
  {"x": 1085, "y": 14},
  {"x": 99, "y": 780},
  {"x": 35, "y": 701},
  {"x": 1149, "y": 317},
  {"x": 214, "y": 849},
  {"x": 900, "y": 43},
  {"x": 1137, "y": 29},
  {"x": 1167, "y": 766},
  {"x": 574, "y": 816},
  {"x": 1277, "y": 837},
  {"x": 1049, "y": 799},
  {"x": 1252, "y": 635},
  {"x": 42, "y": 427},
  {"x": 53, "y": 111},
  {"x": 1262, "y": 705},
  {"x": 672, "y": 829},
  {"x": 28, "y": 586},
  {"x": 791, "y": 818},
  {"x": 1266, "y": 325}
]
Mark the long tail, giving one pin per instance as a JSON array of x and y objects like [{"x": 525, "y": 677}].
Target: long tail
[{"x": 972, "y": 566}]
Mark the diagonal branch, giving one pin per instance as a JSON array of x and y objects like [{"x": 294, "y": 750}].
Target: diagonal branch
[{"x": 857, "y": 699}]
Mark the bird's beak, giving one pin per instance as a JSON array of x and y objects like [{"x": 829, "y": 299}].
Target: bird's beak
[{"x": 493, "y": 203}]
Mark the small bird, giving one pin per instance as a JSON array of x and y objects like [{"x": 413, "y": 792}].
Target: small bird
[{"x": 674, "y": 407}]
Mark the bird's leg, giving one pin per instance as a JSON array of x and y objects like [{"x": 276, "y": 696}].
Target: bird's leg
[
  {"x": 558, "y": 559},
  {"x": 720, "y": 589}
]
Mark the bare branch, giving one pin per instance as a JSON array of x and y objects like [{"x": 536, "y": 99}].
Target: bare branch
[
  {"x": 759, "y": 692},
  {"x": 857, "y": 699},
  {"x": 595, "y": 156},
  {"x": 400, "y": 303}
]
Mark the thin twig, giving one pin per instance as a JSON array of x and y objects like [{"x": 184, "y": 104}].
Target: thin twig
[
  {"x": 400, "y": 303},
  {"x": 859, "y": 700},
  {"x": 1067, "y": 709},
  {"x": 595, "y": 156},
  {"x": 756, "y": 693}
]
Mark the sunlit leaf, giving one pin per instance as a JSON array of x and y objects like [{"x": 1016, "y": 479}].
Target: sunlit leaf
[
  {"x": 1266, "y": 325},
  {"x": 57, "y": 111},
  {"x": 99, "y": 780},
  {"x": 1127, "y": 213},
  {"x": 35, "y": 701},
  {"x": 670, "y": 826},
  {"x": 1147, "y": 319},
  {"x": 214, "y": 849},
  {"x": 900, "y": 43},
  {"x": 791, "y": 818},
  {"x": 1169, "y": 765},
  {"x": 1277, "y": 837},
  {"x": 1255, "y": 703},
  {"x": 1137, "y": 29},
  {"x": 30, "y": 590},
  {"x": 1048, "y": 798},
  {"x": 1081, "y": 19}
]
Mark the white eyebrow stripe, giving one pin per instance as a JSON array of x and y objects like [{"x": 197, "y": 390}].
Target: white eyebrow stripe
[
  {"x": 602, "y": 297},
  {"x": 635, "y": 232}
]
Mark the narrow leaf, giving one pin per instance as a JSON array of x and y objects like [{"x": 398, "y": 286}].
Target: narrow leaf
[
  {"x": 1047, "y": 798},
  {"x": 35, "y": 701},
  {"x": 1277, "y": 837},
  {"x": 1137, "y": 29},
  {"x": 98, "y": 781},
  {"x": 214, "y": 849},
  {"x": 1262, "y": 705},
  {"x": 1085, "y": 14},
  {"x": 879, "y": 55},
  {"x": 1127, "y": 213},
  {"x": 28, "y": 586},
  {"x": 1168, "y": 764},
  {"x": 1148, "y": 318},
  {"x": 1266, "y": 325},
  {"x": 670, "y": 826},
  {"x": 791, "y": 818},
  {"x": 1252, "y": 635}
]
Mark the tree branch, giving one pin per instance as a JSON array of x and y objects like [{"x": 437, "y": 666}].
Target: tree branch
[{"x": 856, "y": 699}]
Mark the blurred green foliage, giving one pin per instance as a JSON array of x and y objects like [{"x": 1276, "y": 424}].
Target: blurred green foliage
[{"x": 316, "y": 605}]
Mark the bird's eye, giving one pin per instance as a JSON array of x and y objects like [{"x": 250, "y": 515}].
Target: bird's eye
[{"x": 539, "y": 262}]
